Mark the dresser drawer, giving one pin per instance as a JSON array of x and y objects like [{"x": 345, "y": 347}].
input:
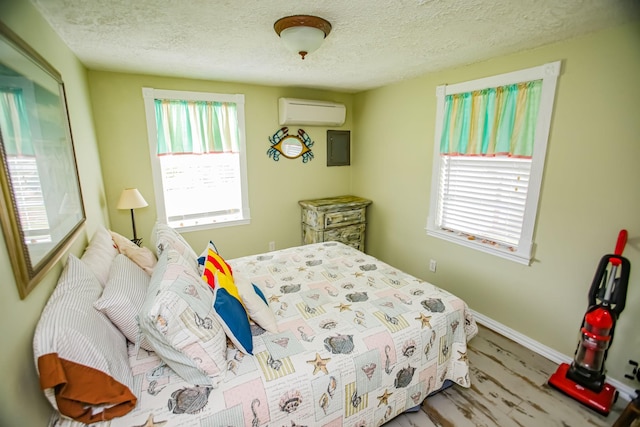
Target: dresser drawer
[
  {"x": 339, "y": 219},
  {"x": 350, "y": 235}
]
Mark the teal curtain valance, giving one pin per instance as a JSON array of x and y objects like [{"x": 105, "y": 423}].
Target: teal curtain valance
[
  {"x": 196, "y": 127},
  {"x": 14, "y": 123},
  {"x": 490, "y": 122}
]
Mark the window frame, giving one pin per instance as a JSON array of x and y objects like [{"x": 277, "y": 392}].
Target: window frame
[
  {"x": 548, "y": 73},
  {"x": 150, "y": 95}
]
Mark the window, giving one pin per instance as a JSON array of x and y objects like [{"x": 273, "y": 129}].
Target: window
[
  {"x": 21, "y": 162},
  {"x": 490, "y": 144},
  {"x": 198, "y": 161}
]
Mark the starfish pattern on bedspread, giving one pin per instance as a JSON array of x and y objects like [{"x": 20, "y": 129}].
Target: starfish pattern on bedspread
[{"x": 320, "y": 364}]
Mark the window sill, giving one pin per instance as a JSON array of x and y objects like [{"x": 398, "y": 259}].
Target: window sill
[
  {"x": 521, "y": 257},
  {"x": 209, "y": 226}
]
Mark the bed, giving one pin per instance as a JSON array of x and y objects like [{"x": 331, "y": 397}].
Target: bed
[{"x": 357, "y": 343}]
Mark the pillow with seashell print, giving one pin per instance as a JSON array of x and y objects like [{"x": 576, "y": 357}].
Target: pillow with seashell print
[{"x": 178, "y": 321}]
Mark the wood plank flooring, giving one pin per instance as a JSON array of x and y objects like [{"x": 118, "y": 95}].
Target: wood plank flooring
[{"x": 508, "y": 388}]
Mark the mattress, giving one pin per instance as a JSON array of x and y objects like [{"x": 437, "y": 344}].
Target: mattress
[{"x": 359, "y": 342}]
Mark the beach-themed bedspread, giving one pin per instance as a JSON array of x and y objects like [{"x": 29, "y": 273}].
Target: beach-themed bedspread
[{"x": 359, "y": 343}]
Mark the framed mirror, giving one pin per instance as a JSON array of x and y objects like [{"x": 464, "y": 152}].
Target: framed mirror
[
  {"x": 41, "y": 204},
  {"x": 290, "y": 146}
]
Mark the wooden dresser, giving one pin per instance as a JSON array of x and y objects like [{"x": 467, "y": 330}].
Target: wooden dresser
[{"x": 341, "y": 219}]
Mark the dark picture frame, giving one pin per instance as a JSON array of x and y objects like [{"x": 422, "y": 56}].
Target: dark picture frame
[{"x": 41, "y": 208}]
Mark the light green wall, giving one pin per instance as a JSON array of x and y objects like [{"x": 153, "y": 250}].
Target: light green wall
[
  {"x": 274, "y": 187},
  {"x": 21, "y": 401},
  {"x": 591, "y": 190}
]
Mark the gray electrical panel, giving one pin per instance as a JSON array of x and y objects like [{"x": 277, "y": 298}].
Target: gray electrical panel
[{"x": 338, "y": 148}]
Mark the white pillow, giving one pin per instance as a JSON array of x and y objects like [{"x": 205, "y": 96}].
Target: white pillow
[
  {"x": 123, "y": 297},
  {"x": 99, "y": 254},
  {"x": 81, "y": 357},
  {"x": 257, "y": 307},
  {"x": 141, "y": 256}
]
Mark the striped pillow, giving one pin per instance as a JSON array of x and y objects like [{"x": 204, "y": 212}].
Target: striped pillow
[
  {"x": 123, "y": 297},
  {"x": 81, "y": 357},
  {"x": 178, "y": 321}
]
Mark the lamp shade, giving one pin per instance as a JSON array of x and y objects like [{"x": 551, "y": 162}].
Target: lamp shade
[
  {"x": 131, "y": 199},
  {"x": 302, "y": 34}
]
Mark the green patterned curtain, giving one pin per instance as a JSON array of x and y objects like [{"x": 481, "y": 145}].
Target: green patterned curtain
[
  {"x": 491, "y": 122},
  {"x": 14, "y": 123},
  {"x": 196, "y": 127}
]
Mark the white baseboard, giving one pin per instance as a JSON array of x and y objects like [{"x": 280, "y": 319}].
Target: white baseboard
[{"x": 626, "y": 392}]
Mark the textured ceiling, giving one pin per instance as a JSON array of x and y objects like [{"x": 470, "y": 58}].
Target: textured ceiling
[{"x": 372, "y": 43}]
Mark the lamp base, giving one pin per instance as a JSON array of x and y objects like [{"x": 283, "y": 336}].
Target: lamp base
[{"x": 137, "y": 241}]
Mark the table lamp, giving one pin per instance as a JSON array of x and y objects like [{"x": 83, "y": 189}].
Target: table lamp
[{"x": 132, "y": 199}]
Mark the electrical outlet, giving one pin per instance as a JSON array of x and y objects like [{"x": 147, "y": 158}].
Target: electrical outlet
[
  {"x": 432, "y": 265},
  {"x": 635, "y": 373},
  {"x": 272, "y": 246}
]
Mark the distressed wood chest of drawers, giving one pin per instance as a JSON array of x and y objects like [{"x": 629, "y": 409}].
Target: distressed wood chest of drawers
[{"x": 341, "y": 219}]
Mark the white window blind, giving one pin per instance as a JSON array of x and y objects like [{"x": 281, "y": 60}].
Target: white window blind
[
  {"x": 484, "y": 197},
  {"x": 201, "y": 188},
  {"x": 29, "y": 199}
]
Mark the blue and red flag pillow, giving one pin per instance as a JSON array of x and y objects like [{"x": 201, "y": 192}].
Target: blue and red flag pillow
[{"x": 227, "y": 303}]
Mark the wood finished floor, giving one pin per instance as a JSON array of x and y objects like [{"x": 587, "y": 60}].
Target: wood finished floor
[{"x": 508, "y": 388}]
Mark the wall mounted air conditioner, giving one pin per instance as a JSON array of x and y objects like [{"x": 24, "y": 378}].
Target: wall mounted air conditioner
[{"x": 294, "y": 111}]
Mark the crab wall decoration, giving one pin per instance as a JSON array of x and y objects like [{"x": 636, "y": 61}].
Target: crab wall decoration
[{"x": 290, "y": 146}]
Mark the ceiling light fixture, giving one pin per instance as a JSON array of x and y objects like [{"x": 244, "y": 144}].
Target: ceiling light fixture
[{"x": 302, "y": 34}]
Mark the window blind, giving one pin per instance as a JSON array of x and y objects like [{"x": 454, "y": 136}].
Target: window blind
[
  {"x": 29, "y": 198},
  {"x": 484, "y": 197},
  {"x": 201, "y": 189}
]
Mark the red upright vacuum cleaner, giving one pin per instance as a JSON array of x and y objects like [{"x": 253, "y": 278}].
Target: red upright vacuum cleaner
[{"x": 584, "y": 379}]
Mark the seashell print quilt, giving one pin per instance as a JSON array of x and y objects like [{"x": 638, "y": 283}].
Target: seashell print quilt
[{"x": 359, "y": 343}]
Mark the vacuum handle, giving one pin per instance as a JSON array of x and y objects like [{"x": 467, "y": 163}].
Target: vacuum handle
[{"x": 622, "y": 242}]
